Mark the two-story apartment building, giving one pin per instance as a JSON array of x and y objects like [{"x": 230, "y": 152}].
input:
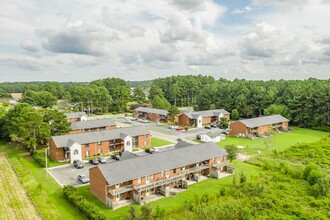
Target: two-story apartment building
[
  {"x": 258, "y": 126},
  {"x": 200, "y": 118},
  {"x": 92, "y": 125},
  {"x": 83, "y": 145},
  {"x": 138, "y": 178},
  {"x": 152, "y": 114},
  {"x": 76, "y": 116}
]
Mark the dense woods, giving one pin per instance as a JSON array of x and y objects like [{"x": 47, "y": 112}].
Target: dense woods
[{"x": 305, "y": 102}]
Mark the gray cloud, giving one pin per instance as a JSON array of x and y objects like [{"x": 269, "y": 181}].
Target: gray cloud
[
  {"x": 189, "y": 4},
  {"x": 29, "y": 46},
  {"x": 23, "y": 62}
]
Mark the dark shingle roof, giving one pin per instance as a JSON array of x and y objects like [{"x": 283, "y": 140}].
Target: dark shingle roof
[
  {"x": 127, "y": 155},
  {"x": 152, "y": 110},
  {"x": 92, "y": 124},
  {"x": 264, "y": 120},
  {"x": 95, "y": 136},
  {"x": 207, "y": 113},
  {"x": 121, "y": 171},
  {"x": 75, "y": 114}
]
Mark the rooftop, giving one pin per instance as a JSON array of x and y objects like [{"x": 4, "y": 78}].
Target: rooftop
[
  {"x": 207, "y": 113},
  {"x": 152, "y": 110},
  {"x": 75, "y": 114},
  {"x": 92, "y": 124},
  {"x": 264, "y": 120}
]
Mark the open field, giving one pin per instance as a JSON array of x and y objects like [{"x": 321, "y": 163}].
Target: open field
[
  {"x": 279, "y": 141},
  {"x": 14, "y": 201},
  {"x": 157, "y": 142}
]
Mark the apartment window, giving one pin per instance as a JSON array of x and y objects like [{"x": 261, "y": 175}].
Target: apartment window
[
  {"x": 162, "y": 174},
  {"x": 117, "y": 196},
  {"x": 87, "y": 154},
  {"x": 174, "y": 170},
  {"x": 145, "y": 143},
  {"x": 75, "y": 152},
  {"x": 99, "y": 142},
  {"x": 218, "y": 160},
  {"x": 100, "y": 151},
  {"x": 139, "y": 180},
  {"x": 147, "y": 178},
  {"x": 86, "y": 145},
  {"x": 128, "y": 143}
]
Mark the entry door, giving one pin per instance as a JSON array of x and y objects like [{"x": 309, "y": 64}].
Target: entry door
[
  {"x": 147, "y": 179},
  {"x": 117, "y": 197},
  {"x": 147, "y": 192}
]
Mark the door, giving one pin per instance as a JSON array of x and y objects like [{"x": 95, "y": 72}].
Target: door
[
  {"x": 117, "y": 197},
  {"x": 147, "y": 179},
  {"x": 147, "y": 192}
]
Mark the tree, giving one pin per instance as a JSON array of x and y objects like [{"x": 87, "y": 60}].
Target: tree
[
  {"x": 57, "y": 121},
  {"x": 232, "y": 151},
  {"x": 4, "y": 94},
  {"x": 173, "y": 111},
  {"x": 41, "y": 98},
  {"x": 155, "y": 91},
  {"x": 223, "y": 123},
  {"x": 275, "y": 109},
  {"x": 139, "y": 95},
  {"x": 160, "y": 102},
  {"x": 234, "y": 114}
]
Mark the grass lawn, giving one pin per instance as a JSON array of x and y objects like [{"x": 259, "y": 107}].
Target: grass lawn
[
  {"x": 279, "y": 141},
  {"x": 47, "y": 193},
  {"x": 157, "y": 142},
  {"x": 173, "y": 202}
]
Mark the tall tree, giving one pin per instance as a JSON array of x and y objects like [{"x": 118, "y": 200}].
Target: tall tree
[
  {"x": 139, "y": 95},
  {"x": 57, "y": 120},
  {"x": 160, "y": 102}
]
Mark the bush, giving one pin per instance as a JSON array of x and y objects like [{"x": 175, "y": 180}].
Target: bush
[
  {"x": 39, "y": 159},
  {"x": 86, "y": 207}
]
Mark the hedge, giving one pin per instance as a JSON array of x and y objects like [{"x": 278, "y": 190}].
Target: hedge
[
  {"x": 39, "y": 159},
  {"x": 86, "y": 207}
]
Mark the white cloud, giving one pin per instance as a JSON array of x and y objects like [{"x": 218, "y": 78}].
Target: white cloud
[{"x": 29, "y": 46}]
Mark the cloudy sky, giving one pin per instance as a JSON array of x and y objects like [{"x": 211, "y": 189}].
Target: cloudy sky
[{"x": 84, "y": 40}]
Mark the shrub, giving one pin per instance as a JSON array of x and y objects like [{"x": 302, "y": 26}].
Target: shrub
[{"x": 39, "y": 159}]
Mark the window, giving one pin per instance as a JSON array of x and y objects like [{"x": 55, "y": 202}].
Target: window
[
  {"x": 87, "y": 153},
  {"x": 162, "y": 174},
  {"x": 174, "y": 170},
  {"x": 100, "y": 151},
  {"x": 128, "y": 143},
  {"x": 147, "y": 178},
  {"x": 86, "y": 145},
  {"x": 145, "y": 135},
  {"x": 145, "y": 143},
  {"x": 75, "y": 152},
  {"x": 153, "y": 176},
  {"x": 99, "y": 143}
]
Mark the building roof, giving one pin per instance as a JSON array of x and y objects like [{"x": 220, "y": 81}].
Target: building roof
[
  {"x": 215, "y": 134},
  {"x": 152, "y": 110},
  {"x": 92, "y": 124},
  {"x": 95, "y": 136},
  {"x": 75, "y": 114},
  {"x": 127, "y": 155},
  {"x": 264, "y": 120},
  {"x": 207, "y": 113},
  {"x": 126, "y": 170}
]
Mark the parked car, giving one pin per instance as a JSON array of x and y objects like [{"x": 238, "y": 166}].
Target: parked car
[
  {"x": 207, "y": 127},
  {"x": 179, "y": 139},
  {"x": 115, "y": 156},
  {"x": 102, "y": 160},
  {"x": 214, "y": 126},
  {"x": 151, "y": 150},
  {"x": 94, "y": 161},
  {"x": 179, "y": 129},
  {"x": 78, "y": 164},
  {"x": 83, "y": 178},
  {"x": 173, "y": 127}
]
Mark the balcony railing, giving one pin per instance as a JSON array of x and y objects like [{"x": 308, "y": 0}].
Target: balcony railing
[
  {"x": 219, "y": 165},
  {"x": 195, "y": 169},
  {"x": 121, "y": 190},
  {"x": 158, "y": 183}
]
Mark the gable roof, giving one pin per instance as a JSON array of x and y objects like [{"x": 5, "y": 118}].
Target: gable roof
[
  {"x": 75, "y": 114},
  {"x": 92, "y": 124},
  {"x": 95, "y": 136},
  {"x": 207, "y": 113},
  {"x": 152, "y": 110},
  {"x": 121, "y": 171},
  {"x": 264, "y": 120}
]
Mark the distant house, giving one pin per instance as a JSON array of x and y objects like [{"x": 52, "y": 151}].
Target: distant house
[
  {"x": 212, "y": 137},
  {"x": 152, "y": 114},
  {"x": 138, "y": 179},
  {"x": 200, "y": 118},
  {"x": 83, "y": 145},
  {"x": 257, "y": 126},
  {"x": 76, "y": 116},
  {"x": 92, "y": 125}
]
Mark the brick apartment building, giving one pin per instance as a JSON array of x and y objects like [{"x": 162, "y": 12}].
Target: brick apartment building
[
  {"x": 139, "y": 178},
  {"x": 258, "y": 126},
  {"x": 83, "y": 145},
  {"x": 76, "y": 116},
  {"x": 152, "y": 114},
  {"x": 92, "y": 125},
  {"x": 200, "y": 118}
]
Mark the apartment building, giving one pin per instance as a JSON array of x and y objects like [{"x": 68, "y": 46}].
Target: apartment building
[
  {"x": 83, "y": 145},
  {"x": 258, "y": 126},
  {"x": 152, "y": 114},
  {"x": 92, "y": 125},
  {"x": 76, "y": 116},
  {"x": 138, "y": 178}
]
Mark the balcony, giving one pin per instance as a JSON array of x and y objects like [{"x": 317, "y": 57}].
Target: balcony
[
  {"x": 158, "y": 183},
  {"x": 116, "y": 143},
  {"x": 219, "y": 165},
  {"x": 121, "y": 190},
  {"x": 195, "y": 169}
]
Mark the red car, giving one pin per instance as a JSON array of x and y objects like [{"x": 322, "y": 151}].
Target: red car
[{"x": 179, "y": 129}]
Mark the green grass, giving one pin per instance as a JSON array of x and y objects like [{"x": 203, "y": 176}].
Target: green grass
[
  {"x": 157, "y": 142},
  {"x": 279, "y": 141},
  {"x": 49, "y": 196},
  {"x": 171, "y": 203}
]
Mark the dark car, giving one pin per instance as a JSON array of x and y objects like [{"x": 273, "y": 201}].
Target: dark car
[
  {"x": 214, "y": 126},
  {"x": 78, "y": 164},
  {"x": 94, "y": 161},
  {"x": 207, "y": 127},
  {"x": 115, "y": 156},
  {"x": 151, "y": 150},
  {"x": 102, "y": 160},
  {"x": 83, "y": 178},
  {"x": 179, "y": 139}
]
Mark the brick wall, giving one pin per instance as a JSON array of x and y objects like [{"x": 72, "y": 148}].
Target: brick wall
[
  {"x": 237, "y": 127},
  {"x": 54, "y": 152},
  {"x": 97, "y": 183},
  {"x": 184, "y": 120},
  {"x": 206, "y": 120},
  {"x": 141, "y": 139}
]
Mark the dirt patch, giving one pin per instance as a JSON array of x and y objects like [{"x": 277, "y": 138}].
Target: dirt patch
[
  {"x": 243, "y": 156},
  {"x": 14, "y": 202}
]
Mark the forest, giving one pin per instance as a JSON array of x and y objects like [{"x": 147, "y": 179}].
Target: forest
[{"x": 305, "y": 102}]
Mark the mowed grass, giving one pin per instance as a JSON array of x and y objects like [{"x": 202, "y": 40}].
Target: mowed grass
[
  {"x": 157, "y": 142},
  {"x": 278, "y": 141},
  {"x": 52, "y": 203},
  {"x": 171, "y": 203}
]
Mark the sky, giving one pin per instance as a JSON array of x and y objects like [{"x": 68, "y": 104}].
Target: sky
[{"x": 84, "y": 40}]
